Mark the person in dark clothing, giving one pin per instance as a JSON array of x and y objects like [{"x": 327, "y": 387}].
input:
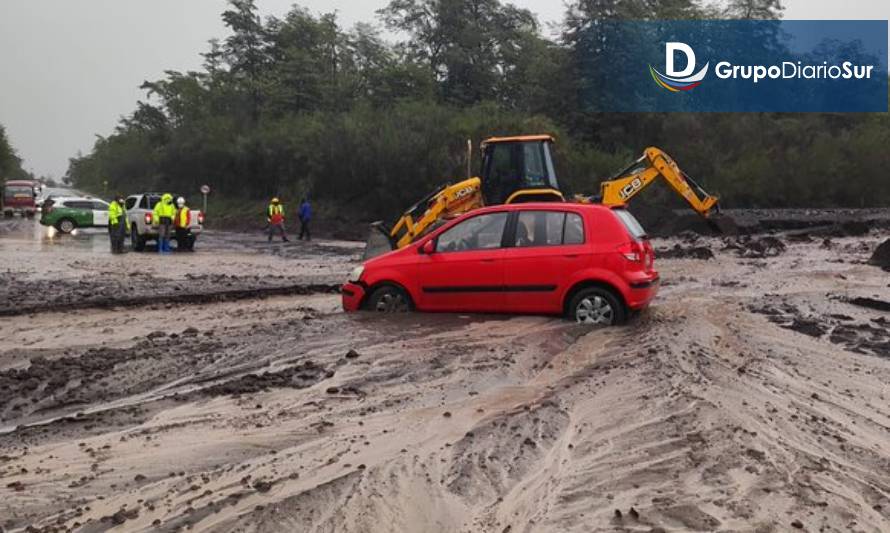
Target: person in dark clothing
[{"x": 305, "y": 217}]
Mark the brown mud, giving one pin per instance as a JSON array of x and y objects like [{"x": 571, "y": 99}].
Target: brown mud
[{"x": 752, "y": 396}]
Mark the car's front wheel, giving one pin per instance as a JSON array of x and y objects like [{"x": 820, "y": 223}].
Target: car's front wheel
[
  {"x": 596, "y": 306},
  {"x": 389, "y": 299},
  {"x": 66, "y": 225}
]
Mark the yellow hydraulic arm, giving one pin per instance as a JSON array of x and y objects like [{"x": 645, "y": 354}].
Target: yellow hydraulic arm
[
  {"x": 445, "y": 202},
  {"x": 644, "y": 171}
]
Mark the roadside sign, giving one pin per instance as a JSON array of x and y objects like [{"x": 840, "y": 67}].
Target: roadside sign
[{"x": 205, "y": 190}]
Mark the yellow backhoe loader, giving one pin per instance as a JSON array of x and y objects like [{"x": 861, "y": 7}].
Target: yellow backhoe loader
[{"x": 520, "y": 169}]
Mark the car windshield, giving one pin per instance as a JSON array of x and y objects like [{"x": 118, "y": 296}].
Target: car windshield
[{"x": 632, "y": 224}]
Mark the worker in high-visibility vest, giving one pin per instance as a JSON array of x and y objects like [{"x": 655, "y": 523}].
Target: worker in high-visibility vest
[
  {"x": 275, "y": 219},
  {"x": 181, "y": 225},
  {"x": 162, "y": 219},
  {"x": 118, "y": 224}
]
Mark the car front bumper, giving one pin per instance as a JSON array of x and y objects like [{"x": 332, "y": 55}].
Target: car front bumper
[{"x": 352, "y": 295}]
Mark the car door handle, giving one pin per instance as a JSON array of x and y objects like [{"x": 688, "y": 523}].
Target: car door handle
[
  {"x": 571, "y": 256},
  {"x": 487, "y": 260}
]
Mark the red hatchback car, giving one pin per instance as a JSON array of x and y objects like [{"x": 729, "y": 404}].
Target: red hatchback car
[{"x": 592, "y": 263}]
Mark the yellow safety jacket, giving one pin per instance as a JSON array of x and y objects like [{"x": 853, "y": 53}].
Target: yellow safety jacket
[
  {"x": 163, "y": 209},
  {"x": 115, "y": 212}
]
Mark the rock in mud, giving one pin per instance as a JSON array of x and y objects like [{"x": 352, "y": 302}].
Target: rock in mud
[
  {"x": 683, "y": 252},
  {"x": 881, "y": 257},
  {"x": 352, "y": 354},
  {"x": 754, "y": 248}
]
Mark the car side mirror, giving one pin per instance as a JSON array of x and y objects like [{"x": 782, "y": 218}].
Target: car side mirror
[{"x": 429, "y": 247}]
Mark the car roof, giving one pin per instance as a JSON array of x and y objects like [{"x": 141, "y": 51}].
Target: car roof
[
  {"x": 542, "y": 206},
  {"x": 75, "y": 198}
]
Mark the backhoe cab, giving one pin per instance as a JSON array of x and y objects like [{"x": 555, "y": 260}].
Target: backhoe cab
[{"x": 519, "y": 170}]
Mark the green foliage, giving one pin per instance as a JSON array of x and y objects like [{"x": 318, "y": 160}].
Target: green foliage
[
  {"x": 300, "y": 106},
  {"x": 10, "y": 162}
]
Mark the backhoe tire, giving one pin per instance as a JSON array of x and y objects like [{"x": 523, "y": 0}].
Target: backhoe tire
[
  {"x": 596, "y": 306},
  {"x": 389, "y": 299}
]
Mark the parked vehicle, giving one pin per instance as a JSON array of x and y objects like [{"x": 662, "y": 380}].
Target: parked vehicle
[
  {"x": 19, "y": 197},
  {"x": 69, "y": 213},
  {"x": 592, "y": 263},
  {"x": 139, "y": 212}
]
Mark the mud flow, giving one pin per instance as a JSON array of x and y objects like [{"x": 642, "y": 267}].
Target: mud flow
[{"x": 225, "y": 391}]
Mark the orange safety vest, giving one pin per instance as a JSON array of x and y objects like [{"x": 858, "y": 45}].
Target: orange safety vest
[{"x": 183, "y": 218}]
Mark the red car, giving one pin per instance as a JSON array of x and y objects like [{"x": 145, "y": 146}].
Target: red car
[{"x": 589, "y": 262}]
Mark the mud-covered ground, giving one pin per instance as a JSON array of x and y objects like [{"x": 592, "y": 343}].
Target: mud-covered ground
[{"x": 752, "y": 396}]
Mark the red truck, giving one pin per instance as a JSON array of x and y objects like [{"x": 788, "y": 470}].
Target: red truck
[{"x": 20, "y": 196}]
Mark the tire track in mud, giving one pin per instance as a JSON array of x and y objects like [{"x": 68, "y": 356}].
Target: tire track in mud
[{"x": 180, "y": 298}]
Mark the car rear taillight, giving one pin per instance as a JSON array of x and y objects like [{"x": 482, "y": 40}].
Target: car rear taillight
[
  {"x": 632, "y": 251},
  {"x": 148, "y": 218},
  {"x": 201, "y": 218}
]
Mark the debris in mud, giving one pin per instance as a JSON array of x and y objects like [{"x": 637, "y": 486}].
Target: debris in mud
[
  {"x": 754, "y": 248},
  {"x": 881, "y": 257},
  {"x": 807, "y": 327},
  {"x": 870, "y": 303},
  {"x": 861, "y": 338},
  {"x": 681, "y": 252},
  {"x": 352, "y": 354}
]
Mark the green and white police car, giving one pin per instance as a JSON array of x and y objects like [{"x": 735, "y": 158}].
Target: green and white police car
[{"x": 69, "y": 213}]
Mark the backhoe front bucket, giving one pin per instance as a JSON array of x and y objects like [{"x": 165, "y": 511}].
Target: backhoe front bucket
[{"x": 378, "y": 242}]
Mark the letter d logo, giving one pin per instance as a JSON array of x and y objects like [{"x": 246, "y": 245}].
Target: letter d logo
[
  {"x": 671, "y": 52},
  {"x": 676, "y": 81}
]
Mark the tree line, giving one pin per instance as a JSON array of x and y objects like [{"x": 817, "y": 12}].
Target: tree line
[
  {"x": 10, "y": 162},
  {"x": 299, "y": 105}
]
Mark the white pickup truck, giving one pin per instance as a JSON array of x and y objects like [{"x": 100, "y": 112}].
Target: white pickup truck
[{"x": 139, "y": 212}]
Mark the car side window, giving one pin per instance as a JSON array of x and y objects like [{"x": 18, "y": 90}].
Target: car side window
[
  {"x": 573, "y": 233},
  {"x": 131, "y": 202},
  {"x": 143, "y": 203},
  {"x": 100, "y": 206},
  {"x": 79, "y": 205},
  {"x": 484, "y": 232},
  {"x": 539, "y": 228}
]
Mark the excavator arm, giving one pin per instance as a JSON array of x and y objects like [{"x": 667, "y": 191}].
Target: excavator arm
[
  {"x": 445, "y": 202},
  {"x": 654, "y": 164}
]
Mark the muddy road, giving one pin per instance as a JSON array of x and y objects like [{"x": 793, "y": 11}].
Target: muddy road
[{"x": 753, "y": 396}]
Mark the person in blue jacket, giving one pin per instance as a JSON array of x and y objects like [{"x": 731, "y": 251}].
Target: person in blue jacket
[{"x": 305, "y": 217}]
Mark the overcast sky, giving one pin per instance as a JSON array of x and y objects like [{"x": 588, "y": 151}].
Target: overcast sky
[{"x": 69, "y": 69}]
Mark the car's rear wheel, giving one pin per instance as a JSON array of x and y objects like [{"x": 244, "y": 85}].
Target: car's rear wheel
[
  {"x": 66, "y": 225},
  {"x": 137, "y": 242},
  {"x": 596, "y": 306},
  {"x": 389, "y": 299}
]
